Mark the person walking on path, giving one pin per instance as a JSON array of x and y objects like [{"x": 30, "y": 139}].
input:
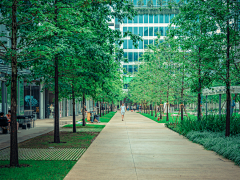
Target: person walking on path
[{"x": 123, "y": 110}]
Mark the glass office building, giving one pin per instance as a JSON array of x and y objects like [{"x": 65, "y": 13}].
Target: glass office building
[{"x": 147, "y": 23}]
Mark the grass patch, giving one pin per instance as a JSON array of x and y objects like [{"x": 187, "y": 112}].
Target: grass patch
[
  {"x": 73, "y": 140},
  {"x": 106, "y": 118},
  {"x": 37, "y": 170},
  {"x": 46, "y": 169},
  {"x": 87, "y": 126},
  {"x": 164, "y": 118}
]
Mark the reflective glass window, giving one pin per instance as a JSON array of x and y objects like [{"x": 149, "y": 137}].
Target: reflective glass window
[
  {"x": 130, "y": 44},
  {"x": 155, "y": 31},
  {"x": 135, "y": 2},
  {"x": 125, "y": 55},
  {"x": 161, "y": 31},
  {"x": 145, "y": 18},
  {"x": 151, "y": 41},
  {"x": 130, "y": 57},
  {"x": 130, "y": 68},
  {"x": 135, "y": 56},
  {"x": 124, "y": 29},
  {"x": 140, "y": 18},
  {"x": 140, "y": 46},
  {"x": 136, "y": 30},
  {"x": 140, "y": 31},
  {"x": 166, "y": 18},
  {"x": 136, "y": 19},
  {"x": 125, "y": 44},
  {"x": 150, "y": 18},
  {"x": 145, "y": 31},
  {"x": 160, "y": 18},
  {"x": 140, "y": 56},
  {"x": 145, "y": 43},
  {"x": 130, "y": 29},
  {"x": 129, "y": 21},
  {"x": 154, "y": 2},
  {"x": 155, "y": 18},
  {"x": 166, "y": 31},
  {"x": 116, "y": 21},
  {"x": 125, "y": 20},
  {"x": 135, "y": 68},
  {"x": 145, "y": 3},
  {"x": 171, "y": 16},
  {"x": 150, "y": 31}
]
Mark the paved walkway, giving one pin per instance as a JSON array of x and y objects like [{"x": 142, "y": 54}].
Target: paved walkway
[
  {"x": 42, "y": 126},
  {"x": 139, "y": 148}
]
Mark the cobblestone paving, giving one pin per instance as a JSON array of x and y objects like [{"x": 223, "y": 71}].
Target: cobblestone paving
[{"x": 45, "y": 154}]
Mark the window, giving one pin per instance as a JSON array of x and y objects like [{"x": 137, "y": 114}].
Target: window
[
  {"x": 135, "y": 68},
  {"x": 125, "y": 44},
  {"x": 135, "y": 56},
  {"x": 129, "y": 21},
  {"x": 150, "y": 31},
  {"x": 135, "y": 2},
  {"x": 155, "y": 18},
  {"x": 145, "y": 44},
  {"x": 125, "y": 20},
  {"x": 130, "y": 44},
  {"x": 145, "y": 3},
  {"x": 130, "y": 68},
  {"x": 155, "y": 31},
  {"x": 140, "y": 18},
  {"x": 140, "y": 56},
  {"x": 116, "y": 21},
  {"x": 145, "y": 31},
  {"x": 155, "y": 2},
  {"x": 145, "y": 18},
  {"x": 140, "y": 45},
  {"x": 136, "y": 19},
  {"x": 150, "y": 42},
  {"x": 150, "y": 18},
  {"x": 161, "y": 18},
  {"x": 130, "y": 57},
  {"x": 166, "y": 18},
  {"x": 171, "y": 16},
  {"x": 124, "y": 29},
  {"x": 166, "y": 31},
  {"x": 125, "y": 69},
  {"x": 130, "y": 29},
  {"x": 136, "y": 30},
  {"x": 125, "y": 55},
  {"x": 140, "y": 31},
  {"x": 161, "y": 31}
]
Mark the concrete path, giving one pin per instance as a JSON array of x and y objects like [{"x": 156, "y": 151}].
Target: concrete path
[
  {"x": 139, "y": 148},
  {"x": 42, "y": 126}
]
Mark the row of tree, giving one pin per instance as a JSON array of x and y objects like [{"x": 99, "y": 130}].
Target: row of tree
[
  {"x": 68, "y": 46},
  {"x": 201, "y": 50}
]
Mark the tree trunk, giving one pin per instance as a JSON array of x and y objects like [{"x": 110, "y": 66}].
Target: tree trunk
[
  {"x": 167, "y": 103},
  {"x": 155, "y": 109},
  {"x": 56, "y": 113},
  {"x": 227, "y": 133},
  {"x": 14, "y": 141},
  {"x": 152, "y": 109},
  {"x": 100, "y": 108},
  {"x": 83, "y": 116},
  {"x": 182, "y": 96},
  {"x": 74, "y": 118}
]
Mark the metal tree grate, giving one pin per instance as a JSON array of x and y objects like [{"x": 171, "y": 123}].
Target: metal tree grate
[{"x": 45, "y": 154}]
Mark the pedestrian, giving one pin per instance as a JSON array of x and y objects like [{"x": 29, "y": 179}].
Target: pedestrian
[
  {"x": 123, "y": 110},
  {"x": 9, "y": 121},
  {"x": 127, "y": 108},
  {"x": 140, "y": 107}
]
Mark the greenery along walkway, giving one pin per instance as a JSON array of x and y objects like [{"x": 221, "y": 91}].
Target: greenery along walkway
[{"x": 48, "y": 160}]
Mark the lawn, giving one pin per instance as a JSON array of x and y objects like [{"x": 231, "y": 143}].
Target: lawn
[
  {"x": 37, "y": 170},
  {"x": 45, "y": 169}
]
